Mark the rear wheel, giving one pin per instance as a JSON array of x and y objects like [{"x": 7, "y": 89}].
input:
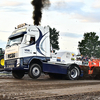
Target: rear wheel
[
  {"x": 35, "y": 71},
  {"x": 18, "y": 74},
  {"x": 73, "y": 73}
]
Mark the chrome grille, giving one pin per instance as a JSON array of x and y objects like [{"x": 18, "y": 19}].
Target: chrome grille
[{"x": 10, "y": 63}]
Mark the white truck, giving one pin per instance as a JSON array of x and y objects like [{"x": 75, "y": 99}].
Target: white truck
[{"x": 28, "y": 52}]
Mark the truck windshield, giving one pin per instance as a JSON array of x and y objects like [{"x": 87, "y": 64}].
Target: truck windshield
[{"x": 15, "y": 40}]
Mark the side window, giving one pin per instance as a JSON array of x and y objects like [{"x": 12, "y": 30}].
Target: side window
[{"x": 32, "y": 40}]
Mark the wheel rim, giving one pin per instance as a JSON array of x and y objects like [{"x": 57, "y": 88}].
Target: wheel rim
[
  {"x": 74, "y": 73},
  {"x": 35, "y": 71},
  {"x": 2, "y": 62}
]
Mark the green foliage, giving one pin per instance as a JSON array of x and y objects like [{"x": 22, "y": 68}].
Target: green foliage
[
  {"x": 54, "y": 35},
  {"x": 89, "y": 46}
]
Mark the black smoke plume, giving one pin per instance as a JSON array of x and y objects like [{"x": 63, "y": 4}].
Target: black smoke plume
[{"x": 38, "y": 6}]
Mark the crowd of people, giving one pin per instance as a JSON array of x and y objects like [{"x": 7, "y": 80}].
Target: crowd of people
[{"x": 84, "y": 59}]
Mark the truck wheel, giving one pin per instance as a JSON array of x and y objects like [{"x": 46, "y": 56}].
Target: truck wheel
[
  {"x": 73, "y": 73},
  {"x": 18, "y": 74},
  {"x": 2, "y": 62},
  {"x": 35, "y": 71}
]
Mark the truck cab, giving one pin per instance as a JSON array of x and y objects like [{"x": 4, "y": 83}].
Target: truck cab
[{"x": 25, "y": 44}]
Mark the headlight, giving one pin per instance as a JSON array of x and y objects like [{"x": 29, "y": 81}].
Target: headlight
[{"x": 18, "y": 62}]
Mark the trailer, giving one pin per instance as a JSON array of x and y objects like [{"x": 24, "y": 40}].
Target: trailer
[{"x": 28, "y": 52}]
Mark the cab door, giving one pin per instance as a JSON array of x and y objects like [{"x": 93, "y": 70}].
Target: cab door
[{"x": 29, "y": 47}]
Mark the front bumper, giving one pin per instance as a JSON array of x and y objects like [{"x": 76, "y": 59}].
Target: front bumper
[{"x": 14, "y": 64}]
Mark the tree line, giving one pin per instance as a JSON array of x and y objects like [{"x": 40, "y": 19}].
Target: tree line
[{"x": 90, "y": 45}]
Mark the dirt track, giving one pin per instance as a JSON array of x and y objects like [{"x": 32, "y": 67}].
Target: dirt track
[{"x": 47, "y": 89}]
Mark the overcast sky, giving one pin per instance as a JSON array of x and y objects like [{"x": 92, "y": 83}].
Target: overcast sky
[{"x": 72, "y": 18}]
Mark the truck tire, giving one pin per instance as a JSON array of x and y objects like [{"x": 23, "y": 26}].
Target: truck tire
[
  {"x": 73, "y": 73},
  {"x": 35, "y": 71},
  {"x": 18, "y": 74}
]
